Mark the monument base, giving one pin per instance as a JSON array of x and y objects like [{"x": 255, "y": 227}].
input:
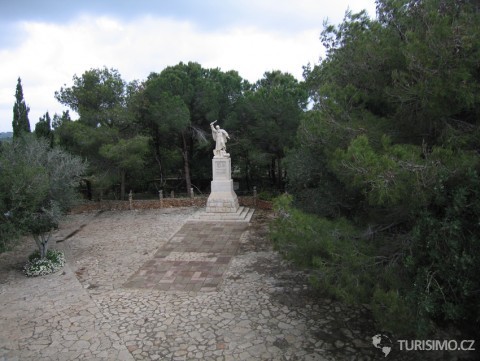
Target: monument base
[
  {"x": 243, "y": 214},
  {"x": 222, "y": 198}
]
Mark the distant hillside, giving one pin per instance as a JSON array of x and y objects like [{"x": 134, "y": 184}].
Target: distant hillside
[{"x": 7, "y": 135}]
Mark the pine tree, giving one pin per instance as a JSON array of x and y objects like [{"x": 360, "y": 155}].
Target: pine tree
[{"x": 20, "y": 122}]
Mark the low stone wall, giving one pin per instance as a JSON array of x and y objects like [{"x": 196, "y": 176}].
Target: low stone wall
[
  {"x": 252, "y": 203},
  {"x": 165, "y": 203}
]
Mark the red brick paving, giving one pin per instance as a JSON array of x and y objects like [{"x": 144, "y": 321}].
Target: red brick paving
[{"x": 194, "y": 259}]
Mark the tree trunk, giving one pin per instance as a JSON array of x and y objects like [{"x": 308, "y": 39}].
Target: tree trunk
[
  {"x": 279, "y": 174},
  {"x": 157, "y": 159},
  {"x": 122, "y": 184},
  {"x": 42, "y": 243},
  {"x": 186, "y": 164},
  {"x": 43, "y": 250},
  {"x": 273, "y": 178},
  {"x": 156, "y": 152},
  {"x": 247, "y": 172},
  {"x": 89, "y": 190}
]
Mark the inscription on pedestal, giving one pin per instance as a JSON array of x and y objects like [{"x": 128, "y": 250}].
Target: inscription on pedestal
[{"x": 221, "y": 168}]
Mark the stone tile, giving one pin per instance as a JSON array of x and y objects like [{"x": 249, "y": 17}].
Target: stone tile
[
  {"x": 197, "y": 254},
  {"x": 140, "y": 285}
]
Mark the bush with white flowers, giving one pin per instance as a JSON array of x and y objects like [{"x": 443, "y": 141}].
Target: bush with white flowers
[{"x": 37, "y": 266}]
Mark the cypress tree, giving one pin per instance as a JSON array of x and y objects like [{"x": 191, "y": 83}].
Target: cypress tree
[{"x": 20, "y": 123}]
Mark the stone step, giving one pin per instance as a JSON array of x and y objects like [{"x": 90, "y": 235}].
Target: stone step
[{"x": 243, "y": 214}]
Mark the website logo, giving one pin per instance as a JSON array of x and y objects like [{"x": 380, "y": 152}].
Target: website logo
[{"x": 383, "y": 343}]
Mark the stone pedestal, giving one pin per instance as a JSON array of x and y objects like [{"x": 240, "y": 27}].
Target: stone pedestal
[{"x": 222, "y": 198}]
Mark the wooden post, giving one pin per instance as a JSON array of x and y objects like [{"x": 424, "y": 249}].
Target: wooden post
[
  {"x": 160, "y": 196},
  {"x": 130, "y": 200},
  {"x": 254, "y": 196}
]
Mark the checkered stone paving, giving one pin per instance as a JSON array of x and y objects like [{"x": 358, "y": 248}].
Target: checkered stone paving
[{"x": 194, "y": 259}]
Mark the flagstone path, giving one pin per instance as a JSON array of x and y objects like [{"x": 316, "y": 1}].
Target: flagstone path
[
  {"x": 194, "y": 259},
  {"x": 150, "y": 285}
]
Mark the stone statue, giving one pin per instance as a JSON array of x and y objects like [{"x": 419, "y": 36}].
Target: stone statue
[{"x": 220, "y": 137}]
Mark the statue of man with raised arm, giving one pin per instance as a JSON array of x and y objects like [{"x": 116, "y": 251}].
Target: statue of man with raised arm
[{"x": 220, "y": 137}]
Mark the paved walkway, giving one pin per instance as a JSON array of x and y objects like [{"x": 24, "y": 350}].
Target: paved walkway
[
  {"x": 149, "y": 285},
  {"x": 194, "y": 259}
]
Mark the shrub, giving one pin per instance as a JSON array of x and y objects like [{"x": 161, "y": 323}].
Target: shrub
[
  {"x": 346, "y": 266},
  {"x": 266, "y": 195},
  {"x": 392, "y": 312},
  {"x": 38, "y": 266},
  {"x": 332, "y": 247},
  {"x": 445, "y": 254},
  {"x": 8, "y": 233}
]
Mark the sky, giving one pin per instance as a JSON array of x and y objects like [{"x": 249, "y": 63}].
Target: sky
[{"x": 47, "y": 42}]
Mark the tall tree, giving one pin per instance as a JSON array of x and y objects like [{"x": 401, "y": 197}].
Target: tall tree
[
  {"x": 126, "y": 155},
  {"x": 98, "y": 96},
  {"x": 85, "y": 141},
  {"x": 37, "y": 186},
  {"x": 44, "y": 129},
  {"x": 20, "y": 123},
  {"x": 103, "y": 101},
  {"x": 178, "y": 104},
  {"x": 277, "y": 102},
  {"x": 58, "y": 120},
  {"x": 392, "y": 145}
]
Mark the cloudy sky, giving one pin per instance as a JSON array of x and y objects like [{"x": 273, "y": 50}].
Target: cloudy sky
[{"x": 46, "y": 42}]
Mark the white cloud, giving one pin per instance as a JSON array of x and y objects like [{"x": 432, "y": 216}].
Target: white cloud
[
  {"x": 51, "y": 54},
  {"x": 311, "y": 12}
]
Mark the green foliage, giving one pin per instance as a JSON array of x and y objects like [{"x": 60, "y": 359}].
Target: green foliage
[
  {"x": 394, "y": 313},
  {"x": 24, "y": 182},
  {"x": 392, "y": 145},
  {"x": 395, "y": 175},
  {"x": 346, "y": 265},
  {"x": 43, "y": 128},
  {"x": 266, "y": 195},
  {"x": 9, "y": 232},
  {"x": 43, "y": 220},
  {"x": 175, "y": 108},
  {"x": 127, "y": 154},
  {"x": 20, "y": 123},
  {"x": 98, "y": 96},
  {"x": 83, "y": 140},
  {"x": 106, "y": 133},
  {"x": 37, "y": 185},
  {"x": 275, "y": 105},
  {"x": 316, "y": 188},
  {"x": 59, "y": 120},
  {"x": 38, "y": 266},
  {"x": 445, "y": 252},
  {"x": 333, "y": 247}
]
